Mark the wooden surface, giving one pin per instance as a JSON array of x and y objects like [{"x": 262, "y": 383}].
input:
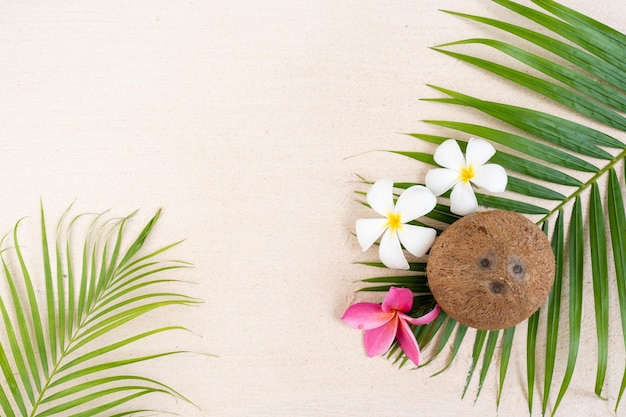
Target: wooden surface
[{"x": 238, "y": 118}]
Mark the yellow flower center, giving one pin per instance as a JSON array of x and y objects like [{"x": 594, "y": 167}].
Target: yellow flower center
[
  {"x": 467, "y": 174},
  {"x": 394, "y": 221}
]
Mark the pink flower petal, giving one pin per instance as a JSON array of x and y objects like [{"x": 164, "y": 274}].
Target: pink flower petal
[
  {"x": 415, "y": 202},
  {"x": 378, "y": 341},
  {"x": 462, "y": 199},
  {"x": 491, "y": 177},
  {"x": 407, "y": 342},
  {"x": 390, "y": 251},
  {"x": 449, "y": 155},
  {"x": 398, "y": 299},
  {"x": 366, "y": 316},
  {"x": 478, "y": 152},
  {"x": 425, "y": 319},
  {"x": 380, "y": 197}
]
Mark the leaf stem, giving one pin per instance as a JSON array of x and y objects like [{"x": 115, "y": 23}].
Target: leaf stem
[
  {"x": 582, "y": 188},
  {"x": 44, "y": 389}
]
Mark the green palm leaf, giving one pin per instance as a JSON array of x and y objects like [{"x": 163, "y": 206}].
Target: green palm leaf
[
  {"x": 554, "y": 309},
  {"x": 617, "y": 222},
  {"x": 505, "y": 356},
  {"x": 600, "y": 283},
  {"x": 54, "y": 349},
  {"x": 576, "y": 259},
  {"x": 539, "y": 149},
  {"x": 479, "y": 341},
  {"x": 490, "y": 348},
  {"x": 531, "y": 349}
]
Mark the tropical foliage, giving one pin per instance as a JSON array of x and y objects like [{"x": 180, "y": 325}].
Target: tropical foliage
[
  {"x": 61, "y": 325},
  {"x": 557, "y": 167}
]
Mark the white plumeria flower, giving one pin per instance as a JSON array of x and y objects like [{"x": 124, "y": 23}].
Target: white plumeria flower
[
  {"x": 414, "y": 202},
  {"x": 459, "y": 173}
]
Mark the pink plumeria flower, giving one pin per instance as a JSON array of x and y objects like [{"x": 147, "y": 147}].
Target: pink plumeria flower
[
  {"x": 386, "y": 322},
  {"x": 460, "y": 172},
  {"x": 414, "y": 202}
]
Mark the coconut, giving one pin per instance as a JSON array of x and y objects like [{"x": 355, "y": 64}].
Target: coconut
[{"x": 491, "y": 270}]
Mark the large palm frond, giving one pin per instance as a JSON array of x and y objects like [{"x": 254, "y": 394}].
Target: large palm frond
[
  {"x": 558, "y": 162},
  {"x": 57, "y": 350}
]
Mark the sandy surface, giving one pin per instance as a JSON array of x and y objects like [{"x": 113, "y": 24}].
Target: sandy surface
[{"x": 238, "y": 118}]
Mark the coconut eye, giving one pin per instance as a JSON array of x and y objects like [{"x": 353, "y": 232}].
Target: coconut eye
[
  {"x": 516, "y": 268},
  {"x": 496, "y": 287},
  {"x": 487, "y": 262}
]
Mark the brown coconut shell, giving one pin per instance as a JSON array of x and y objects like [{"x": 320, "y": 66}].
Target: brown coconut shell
[{"x": 491, "y": 270}]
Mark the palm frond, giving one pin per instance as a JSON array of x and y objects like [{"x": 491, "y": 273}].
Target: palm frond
[
  {"x": 490, "y": 348},
  {"x": 479, "y": 341},
  {"x": 617, "y": 225},
  {"x": 55, "y": 348},
  {"x": 600, "y": 283},
  {"x": 531, "y": 349},
  {"x": 539, "y": 150},
  {"x": 576, "y": 261},
  {"x": 505, "y": 356},
  {"x": 553, "y": 309}
]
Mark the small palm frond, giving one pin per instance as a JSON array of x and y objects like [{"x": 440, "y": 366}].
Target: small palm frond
[
  {"x": 545, "y": 155},
  {"x": 55, "y": 350}
]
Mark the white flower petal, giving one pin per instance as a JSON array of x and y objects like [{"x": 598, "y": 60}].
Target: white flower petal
[
  {"x": 478, "y": 152},
  {"x": 390, "y": 251},
  {"x": 449, "y": 155},
  {"x": 414, "y": 202},
  {"x": 491, "y": 177},
  {"x": 440, "y": 180},
  {"x": 463, "y": 200},
  {"x": 417, "y": 239},
  {"x": 380, "y": 197},
  {"x": 368, "y": 230}
]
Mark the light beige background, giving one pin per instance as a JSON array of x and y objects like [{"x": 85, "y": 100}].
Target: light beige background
[{"x": 237, "y": 117}]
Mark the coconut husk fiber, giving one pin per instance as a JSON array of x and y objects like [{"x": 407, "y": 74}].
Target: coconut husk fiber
[{"x": 491, "y": 270}]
